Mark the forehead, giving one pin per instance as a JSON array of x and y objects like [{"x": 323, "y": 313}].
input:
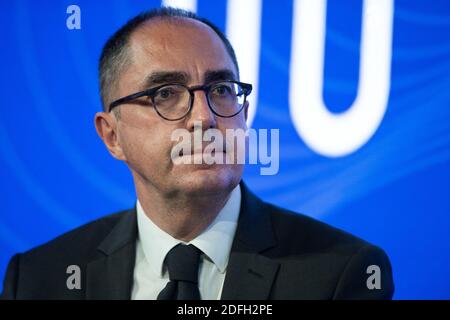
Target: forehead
[{"x": 181, "y": 44}]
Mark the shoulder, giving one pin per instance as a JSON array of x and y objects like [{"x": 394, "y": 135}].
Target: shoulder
[
  {"x": 44, "y": 266},
  {"x": 292, "y": 227},
  {"x": 295, "y": 232},
  {"x": 332, "y": 260},
  {"x": 79, "y": 244}
]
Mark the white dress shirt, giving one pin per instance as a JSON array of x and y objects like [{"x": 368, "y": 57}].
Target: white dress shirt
[{"x": 150, "y": 273}]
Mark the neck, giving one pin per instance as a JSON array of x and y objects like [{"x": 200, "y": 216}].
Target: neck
[{"x": 181, "y": 215}]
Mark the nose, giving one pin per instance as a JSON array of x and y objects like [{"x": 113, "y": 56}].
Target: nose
[{"x": 201, "y": 112}]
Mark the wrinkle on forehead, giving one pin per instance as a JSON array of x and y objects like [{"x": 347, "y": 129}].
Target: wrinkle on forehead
[{"x": 169, "y": 39}]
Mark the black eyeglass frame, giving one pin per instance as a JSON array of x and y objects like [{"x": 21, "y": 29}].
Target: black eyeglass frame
[{"x": 246, "y": 87}]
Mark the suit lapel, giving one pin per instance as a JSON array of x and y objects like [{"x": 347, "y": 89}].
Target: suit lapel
[
  {"x": 250, "y": 274},
  {"x": 110, "y": 274}
]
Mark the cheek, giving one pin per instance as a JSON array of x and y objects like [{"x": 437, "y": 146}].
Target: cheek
[{"x": 146, "y": 149}]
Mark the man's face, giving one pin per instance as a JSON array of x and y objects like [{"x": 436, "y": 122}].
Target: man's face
[{"x": 160, "y": 52}]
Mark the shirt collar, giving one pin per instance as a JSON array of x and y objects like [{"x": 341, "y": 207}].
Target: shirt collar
[{"x": 215, "y": 241}]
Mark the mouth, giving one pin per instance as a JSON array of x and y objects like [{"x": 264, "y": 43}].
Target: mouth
[
  {"x": 201, "y": 158},
  {"x": 200, "y": 152}
]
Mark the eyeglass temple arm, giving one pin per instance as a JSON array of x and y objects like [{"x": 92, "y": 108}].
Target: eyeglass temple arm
[{"x": 131, "y": 97}]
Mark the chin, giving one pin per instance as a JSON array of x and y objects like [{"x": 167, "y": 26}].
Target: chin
[{"x": 210, "y": 179}]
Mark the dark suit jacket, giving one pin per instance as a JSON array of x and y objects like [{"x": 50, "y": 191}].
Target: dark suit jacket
[{"x": 276, "y": 254}]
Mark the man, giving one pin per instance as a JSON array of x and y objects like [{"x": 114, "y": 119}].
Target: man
[{"x": 196, "y": 232}]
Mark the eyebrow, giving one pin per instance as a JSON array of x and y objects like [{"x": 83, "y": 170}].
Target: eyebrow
[
  {"x": 216, "y": 75},
  {"x": 161, "y": 77}
]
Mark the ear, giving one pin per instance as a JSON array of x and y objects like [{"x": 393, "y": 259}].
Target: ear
[{"x": 107, "y": 129}]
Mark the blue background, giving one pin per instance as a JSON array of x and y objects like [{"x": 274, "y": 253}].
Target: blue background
[{"x": 55, "y": 173}]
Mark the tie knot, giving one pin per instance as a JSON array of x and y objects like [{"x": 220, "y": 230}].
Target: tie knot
[{"x": 182, "y": 262}]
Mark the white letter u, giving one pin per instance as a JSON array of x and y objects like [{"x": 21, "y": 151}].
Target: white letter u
[{"x": 329, "y": 134}]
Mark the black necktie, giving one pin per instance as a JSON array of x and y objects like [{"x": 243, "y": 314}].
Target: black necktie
[{"x": 182, "y": 263}]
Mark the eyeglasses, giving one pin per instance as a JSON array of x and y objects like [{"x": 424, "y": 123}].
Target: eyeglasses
[{"x": 174, "y": 101}]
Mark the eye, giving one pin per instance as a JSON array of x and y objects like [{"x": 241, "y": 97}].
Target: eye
[
  {"x": 164, "y": 93},
  {"x": 222, "y": 90}
]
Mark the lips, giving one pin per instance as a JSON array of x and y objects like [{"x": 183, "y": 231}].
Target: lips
[{"x": 194, "y": 152}]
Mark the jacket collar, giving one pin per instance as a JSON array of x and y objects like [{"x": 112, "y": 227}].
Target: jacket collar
[
  {"x": 111, "y": 275},
  {"x": 250, "y": 274}
]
